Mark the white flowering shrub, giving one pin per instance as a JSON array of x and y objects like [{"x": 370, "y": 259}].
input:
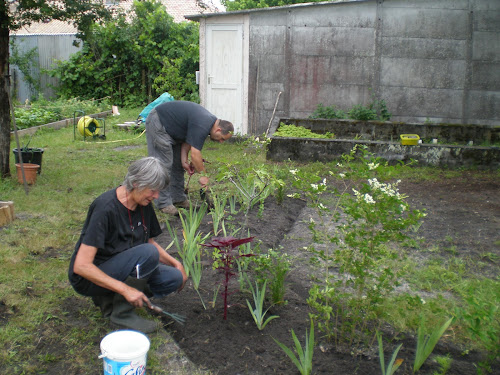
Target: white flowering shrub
[{"x": 370, "y": 219}]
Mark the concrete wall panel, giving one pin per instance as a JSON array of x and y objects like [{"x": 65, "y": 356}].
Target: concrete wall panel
[
  {"x": 333, "y": 41},
  {"x": 430, "y": 4},
  {"x": 423, "y": 48},
  {"x": 267, "y": 40},
  {"x": 267, "y": 94},
  {"x": 305, "y": 98},
  {"x": 485, "y": 105},
  {"x": 486, "y": 46},
  {"x": 485, "y": 76},
  {"x": 269, "y": 71},
  {"x": 364, "y": 16},
  {"x": 341, "y": 70},
  {"x": 413, "y": 102},
  {"x": 425, "y": 23},
  {"x": 485, "y": 5},
  {"x": 438, "y": 74},
  {"x": 487, "y": 21},
  {"x": 272, "y": 17}
]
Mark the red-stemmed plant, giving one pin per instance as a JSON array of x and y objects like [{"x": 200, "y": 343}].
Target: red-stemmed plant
[{"x": 225, "y": 259}]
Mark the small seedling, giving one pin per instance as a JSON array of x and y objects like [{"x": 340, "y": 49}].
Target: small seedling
[
  {"x": 257, "y": 313},
  {"x": 426, "y": 343},
  {"x": 305, "y": 356}
]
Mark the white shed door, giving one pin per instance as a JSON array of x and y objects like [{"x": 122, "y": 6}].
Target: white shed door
[{"x": 225, "y": 73}]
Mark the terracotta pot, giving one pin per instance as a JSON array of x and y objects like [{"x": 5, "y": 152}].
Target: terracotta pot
[
  {"x": 29, "y": 172},
  {"x": 30, "y": 155}
]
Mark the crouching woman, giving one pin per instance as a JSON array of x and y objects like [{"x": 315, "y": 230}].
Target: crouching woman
[{"x": 116, "y": 260}]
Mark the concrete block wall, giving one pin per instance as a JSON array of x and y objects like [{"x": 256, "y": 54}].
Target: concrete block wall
[{"x": 430, "y": 60}]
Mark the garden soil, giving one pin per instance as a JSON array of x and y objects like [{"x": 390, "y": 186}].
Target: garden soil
[{"x": 463, "y": 220}]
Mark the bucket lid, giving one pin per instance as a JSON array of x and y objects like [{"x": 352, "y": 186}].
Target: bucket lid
[{"x": 124, "y": 344}]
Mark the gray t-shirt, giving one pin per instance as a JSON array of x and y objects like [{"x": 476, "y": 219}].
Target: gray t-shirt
[{"x": 186, "y": 122}]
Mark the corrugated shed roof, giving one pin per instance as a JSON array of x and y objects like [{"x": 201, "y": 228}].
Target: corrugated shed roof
[{"x": 176, "y": 8}]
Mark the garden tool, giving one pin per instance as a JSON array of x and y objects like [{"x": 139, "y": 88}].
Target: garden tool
[
  {"x": 205, "y": 197},
  {"x": 178, "y": 318},
  {"x": 123, "y": 313},
  {"x": 186, "y": 189}
]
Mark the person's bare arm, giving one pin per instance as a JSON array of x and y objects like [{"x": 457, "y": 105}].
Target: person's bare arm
[
  {"x": 199, "y": 166},
  {"x": 169, "y": 260},
  {"x": 197, "y": 160},
  {"x": 85, "y": 267},
  {"x": 185, "y": 147}
]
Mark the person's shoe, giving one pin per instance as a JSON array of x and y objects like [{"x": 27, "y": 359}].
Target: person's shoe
[
  {"x": 170, "y": 210},
  {"x": 183, "y": 204},
  {"x": 124, "y": 314},
  {"x": 105, "y": 303}
]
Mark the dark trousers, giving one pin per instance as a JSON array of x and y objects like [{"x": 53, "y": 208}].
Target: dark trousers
[{"x": 162, "y": 279}]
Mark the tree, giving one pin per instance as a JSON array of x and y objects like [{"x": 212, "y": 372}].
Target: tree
[
  {"x": 251, "y": 4},
  {"x": 15, "y": 14}
]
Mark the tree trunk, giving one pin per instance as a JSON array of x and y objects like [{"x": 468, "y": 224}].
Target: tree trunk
[{"x": 4, "y": 97}]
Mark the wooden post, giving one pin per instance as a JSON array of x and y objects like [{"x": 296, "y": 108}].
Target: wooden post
[{"x": 6, "y": 213}]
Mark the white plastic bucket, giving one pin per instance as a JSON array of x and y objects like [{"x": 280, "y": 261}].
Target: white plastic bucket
[{"x": 124, "y": 353}]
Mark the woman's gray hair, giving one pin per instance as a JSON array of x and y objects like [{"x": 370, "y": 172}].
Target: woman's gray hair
[{"x": 146, "y": 173}]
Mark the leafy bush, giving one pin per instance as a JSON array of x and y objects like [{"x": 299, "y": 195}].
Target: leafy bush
[
  {"x": 327, "y": 112},
  {"x": 362, "y": 113},
  {"x": 133, "y": 59},
  {"x": 376, "y": 110}
]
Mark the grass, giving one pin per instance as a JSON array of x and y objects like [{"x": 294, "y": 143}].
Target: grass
[{"x": 37, "y": 334}]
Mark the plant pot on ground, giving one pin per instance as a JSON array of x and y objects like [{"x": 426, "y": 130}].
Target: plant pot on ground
[{"x": 30, "y": 155}]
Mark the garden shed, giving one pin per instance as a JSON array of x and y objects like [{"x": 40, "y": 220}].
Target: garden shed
[{"x": 430, "y": 60}]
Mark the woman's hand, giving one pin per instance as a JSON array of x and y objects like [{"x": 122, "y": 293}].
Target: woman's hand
[
  {"x": 180, "y": 267},
  {"x": 135, "y": 297}
]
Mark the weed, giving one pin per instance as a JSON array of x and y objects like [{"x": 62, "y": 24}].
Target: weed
[
  {"x": 444, "y": 362},
  {"x": 273, "y": 266}
]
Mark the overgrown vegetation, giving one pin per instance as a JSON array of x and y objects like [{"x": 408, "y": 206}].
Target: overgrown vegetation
[
  {"x": 295, "y": 131},
  {"x": 134, "y": 61},
  {"x": 44, "y": 111}
]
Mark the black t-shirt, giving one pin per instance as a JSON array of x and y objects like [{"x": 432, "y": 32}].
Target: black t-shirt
[
  {"x": 186, "y": 121},
  {"x": 108, "y": 228}
]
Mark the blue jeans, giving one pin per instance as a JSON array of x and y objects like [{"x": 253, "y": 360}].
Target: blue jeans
[{"x": 161, "y": 279}]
